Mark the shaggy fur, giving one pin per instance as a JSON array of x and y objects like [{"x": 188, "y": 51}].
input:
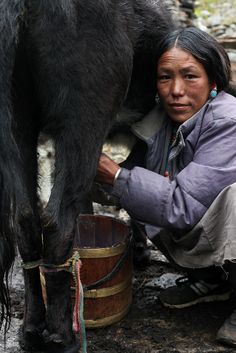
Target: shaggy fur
[{"x": 67, "y": 67}]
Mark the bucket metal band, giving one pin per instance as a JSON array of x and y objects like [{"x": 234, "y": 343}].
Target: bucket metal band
[
  {"x": 106, "y": 321},
  {"x": 102, "y": 252},
  {"x": 108, "y": 291}
]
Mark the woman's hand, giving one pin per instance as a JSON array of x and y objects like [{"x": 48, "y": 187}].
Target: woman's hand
[{"x": 107, "y": 170}]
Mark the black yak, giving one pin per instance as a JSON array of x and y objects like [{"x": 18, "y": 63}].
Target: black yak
[{"x": 67, "y": 67}]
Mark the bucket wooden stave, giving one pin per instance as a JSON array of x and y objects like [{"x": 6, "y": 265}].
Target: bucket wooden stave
[{"x": 102, "y": 243}]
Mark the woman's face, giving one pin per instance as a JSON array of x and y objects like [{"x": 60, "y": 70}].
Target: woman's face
[{"x": 182, "y": 84}]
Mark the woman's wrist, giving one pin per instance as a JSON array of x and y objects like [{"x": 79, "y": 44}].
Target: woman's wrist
[
  {"x": 108, "y": 170},
  {"x": 116, "y": 175}
]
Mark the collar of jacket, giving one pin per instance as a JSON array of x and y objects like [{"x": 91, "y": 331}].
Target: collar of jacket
[
  {"x": 184, "y": 130},
  {"x": 189, "y": 124},
  {"x": 150, "y": 124}
]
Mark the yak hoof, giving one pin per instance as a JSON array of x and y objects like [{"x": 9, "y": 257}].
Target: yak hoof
[
  {"x": 55, "y": 344},
  {"x": 31, "y": 339},
  {"x": 52, "y": 338},
  {"x": 62, "y": 348}
]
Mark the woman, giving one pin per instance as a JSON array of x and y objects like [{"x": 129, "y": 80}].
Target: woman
[{"x": 182, "y": 196}]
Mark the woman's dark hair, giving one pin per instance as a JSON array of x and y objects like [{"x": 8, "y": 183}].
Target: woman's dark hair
[{"x": 205, "y": 49}]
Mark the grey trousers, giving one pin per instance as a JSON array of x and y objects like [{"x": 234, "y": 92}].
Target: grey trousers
[{"x": 212, "y": 242}]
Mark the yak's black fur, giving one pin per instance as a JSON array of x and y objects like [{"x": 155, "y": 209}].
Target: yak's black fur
[{"x": 67, "y": 67}]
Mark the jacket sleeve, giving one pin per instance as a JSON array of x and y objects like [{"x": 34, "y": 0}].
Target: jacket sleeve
[{"x": 181, "y": 203}]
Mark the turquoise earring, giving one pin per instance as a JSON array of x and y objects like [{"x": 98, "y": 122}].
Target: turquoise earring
[{"x": 213, "y": 92}]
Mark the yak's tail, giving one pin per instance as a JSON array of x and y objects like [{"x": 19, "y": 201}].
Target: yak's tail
[{"x": 10, "y": 176}]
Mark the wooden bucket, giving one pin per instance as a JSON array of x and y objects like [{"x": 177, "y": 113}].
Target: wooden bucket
[{"x": 106, "y": 274}]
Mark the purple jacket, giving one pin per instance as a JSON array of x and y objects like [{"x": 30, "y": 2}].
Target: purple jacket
[{"x": 202, "y": 162}]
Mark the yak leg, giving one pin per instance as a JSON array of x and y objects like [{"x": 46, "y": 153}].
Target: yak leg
[
  {"x": 75, "y": 168},
  {"x": 30, "y": 248},
  {"x": 29, "y": 237},
  {"x": 34, "y": 314}
]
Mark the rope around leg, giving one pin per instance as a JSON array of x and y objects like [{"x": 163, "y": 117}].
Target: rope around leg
[{"x": 78, "y": 323}]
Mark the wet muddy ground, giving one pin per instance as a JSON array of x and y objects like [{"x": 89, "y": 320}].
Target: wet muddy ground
[
  {"x": 151, "y": 328},
  {"x": 148, "y": 327}
]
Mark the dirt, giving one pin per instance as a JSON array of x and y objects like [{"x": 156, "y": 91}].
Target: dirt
[
  {"x": 151, "y": 328},
  {"x": 148, "y": 327}
]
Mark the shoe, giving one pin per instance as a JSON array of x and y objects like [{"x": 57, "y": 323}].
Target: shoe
[
  {"x": 188, "y": 292},
  {"x": 227, "y": 332}
]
